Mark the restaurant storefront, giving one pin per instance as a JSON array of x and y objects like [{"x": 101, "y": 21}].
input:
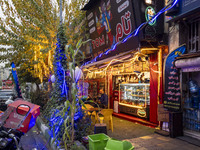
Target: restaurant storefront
[
  {"x": 186, "y": 20},
  {"x": 131, "y": 74}
]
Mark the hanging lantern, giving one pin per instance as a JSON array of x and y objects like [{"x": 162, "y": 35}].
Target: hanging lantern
[
  {"x": 78, "y": 73},
  {"x": 53, "y": 78}
]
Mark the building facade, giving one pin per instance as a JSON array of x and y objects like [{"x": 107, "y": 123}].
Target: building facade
[{"x": 184, "y": 30}]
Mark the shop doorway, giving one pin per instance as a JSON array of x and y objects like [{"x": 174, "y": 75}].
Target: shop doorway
[{"x": 191, "y": 103}]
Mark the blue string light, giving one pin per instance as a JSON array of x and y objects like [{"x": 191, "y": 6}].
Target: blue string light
[
  {"x": 134, "y": 33},
  {"x": 64, "y": 87},
  {"x": 138, "y": 29},
  {"x": 57, "y": 128},
  {"x": 78, "y": 76}
]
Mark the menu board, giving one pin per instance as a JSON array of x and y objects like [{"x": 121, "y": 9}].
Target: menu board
[{"x": 172, "y": 95}]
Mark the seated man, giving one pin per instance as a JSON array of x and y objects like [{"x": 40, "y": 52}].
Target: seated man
[{"x": 103, "y": 99}]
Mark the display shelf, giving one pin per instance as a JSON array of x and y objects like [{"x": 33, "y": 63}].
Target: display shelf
[
  {"x": 195, "y": 120},
  {"x": 138, "y": 95},
  {"x": 134, "y": 94},
  {"x": 128, "y": 105},
  {"x": 190, "y": 108}
]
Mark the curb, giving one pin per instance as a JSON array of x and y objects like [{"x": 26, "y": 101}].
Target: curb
[
  {"x": 46, "y": 133},
  {"x": 49, "y": 136}
]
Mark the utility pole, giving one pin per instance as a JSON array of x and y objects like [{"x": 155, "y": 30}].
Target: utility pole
[{"x": 60, "y": 12}]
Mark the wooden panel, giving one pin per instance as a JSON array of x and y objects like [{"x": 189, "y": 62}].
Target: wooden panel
[{"x": 153, "y": 87}]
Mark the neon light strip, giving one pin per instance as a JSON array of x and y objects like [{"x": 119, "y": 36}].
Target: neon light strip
[
  {"x": 64, "y": 87},
  {"x": 134, "y": 33}
]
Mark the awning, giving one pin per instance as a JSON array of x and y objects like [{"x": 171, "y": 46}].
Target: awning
[
  {"x": 188, "y": 64},
  {"x": 107, "y": 60},
  {"x": 122, "y": 56}
]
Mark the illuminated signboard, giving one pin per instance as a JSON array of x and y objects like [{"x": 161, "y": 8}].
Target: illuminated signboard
[
  {"x": 149, "y": 13},
  {"x": 109, "y": 22}
]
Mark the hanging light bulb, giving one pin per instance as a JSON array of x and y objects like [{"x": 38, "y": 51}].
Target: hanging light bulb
[
  {"x": 53, "y": 78},
  {"x": 78, "y": 73},
  {"x": 148, "y": 1}
]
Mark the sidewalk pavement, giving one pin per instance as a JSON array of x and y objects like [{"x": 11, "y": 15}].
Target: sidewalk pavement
[
  {"x": 159, "y": 142},
  {"x": 124, "y": 129},
  {"x": 145, "y": 138},
  {"x": 142, "y": 137},
  {"x": 34, "y": 140},
  {"x": 46, "y": 133}
]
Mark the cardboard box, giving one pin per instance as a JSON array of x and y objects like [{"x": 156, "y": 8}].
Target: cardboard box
[{"x": 163, "y": 114}]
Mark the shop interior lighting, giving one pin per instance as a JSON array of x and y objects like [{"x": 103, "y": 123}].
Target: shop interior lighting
[
  {"x": 131, "y": 61},
  {"x": 135, "y": 32},
  {"x": 148, "y": 1},
  {"x": 112, "y": 61}
]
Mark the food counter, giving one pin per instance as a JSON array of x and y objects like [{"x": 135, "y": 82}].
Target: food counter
[{"x": 134, "y": 99}]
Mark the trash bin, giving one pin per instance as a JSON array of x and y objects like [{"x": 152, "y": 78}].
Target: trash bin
[
  {"x": 118, "y": 145},
  {"x": 97, "y": 141}
]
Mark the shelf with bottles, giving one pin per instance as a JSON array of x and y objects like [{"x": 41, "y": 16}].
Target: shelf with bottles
[
  {"x": 192, "y": 125},
  {"x": 135, "y": 77},
  {"x": 191, "y": 118},
  {"x": 192, "y": 114},
  {"x": 134, "y": 94}
]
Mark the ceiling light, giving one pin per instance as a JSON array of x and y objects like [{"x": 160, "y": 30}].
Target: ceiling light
[{"x": 148, "y": 1}]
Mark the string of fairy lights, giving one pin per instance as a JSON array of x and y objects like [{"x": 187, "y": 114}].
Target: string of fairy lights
[
  {"x": 135, "y": 32},
  {"x": 131, "y": 61}
]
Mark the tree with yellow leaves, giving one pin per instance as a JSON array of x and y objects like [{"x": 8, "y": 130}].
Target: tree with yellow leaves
[{"x": 29, "y": 28}]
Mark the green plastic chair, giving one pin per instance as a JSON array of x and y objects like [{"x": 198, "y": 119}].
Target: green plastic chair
[
  {"x": 118, "y": 145},
  {"x": 97, "y": 141}
]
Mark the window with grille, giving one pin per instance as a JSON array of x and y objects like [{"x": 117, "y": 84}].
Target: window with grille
[{"x": 193, "y": 37}]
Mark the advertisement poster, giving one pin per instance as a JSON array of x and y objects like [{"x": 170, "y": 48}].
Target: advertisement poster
[
  {"x": 109, "y": 22},
  {"x": 172, "y": 91}
]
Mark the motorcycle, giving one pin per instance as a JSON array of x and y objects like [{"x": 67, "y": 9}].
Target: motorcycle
[{"x": 18, "y": 119}]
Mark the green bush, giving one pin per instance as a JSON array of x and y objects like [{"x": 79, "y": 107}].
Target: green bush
[{"x": 39, "y": 98}]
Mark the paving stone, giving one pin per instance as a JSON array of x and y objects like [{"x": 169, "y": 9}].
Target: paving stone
[
  {"x": 190, "y": 147},
  {"x": 141, "y": 148},
  {"x": 144, "y": 138},
  {"x": 164, "y": 138}
]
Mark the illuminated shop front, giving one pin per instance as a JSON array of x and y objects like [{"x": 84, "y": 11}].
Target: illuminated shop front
[
  {"x": 131, "y": 87},
  {"x": 132, "y": 82},
  {"x": 126, "y": 62}
]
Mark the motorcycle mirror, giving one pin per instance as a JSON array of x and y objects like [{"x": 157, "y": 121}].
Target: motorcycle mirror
[{"x": 23, "y": 109}]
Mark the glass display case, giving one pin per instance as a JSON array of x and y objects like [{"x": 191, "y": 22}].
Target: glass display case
[{"x": 134, "y": 99}]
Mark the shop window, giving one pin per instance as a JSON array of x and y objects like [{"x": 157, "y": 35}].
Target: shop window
[
  {"x": 193, "y": 37},
  {"x": 191, "y": 103}
]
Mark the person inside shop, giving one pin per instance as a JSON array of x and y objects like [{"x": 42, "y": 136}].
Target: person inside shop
[{"x": 103, "y": 99}]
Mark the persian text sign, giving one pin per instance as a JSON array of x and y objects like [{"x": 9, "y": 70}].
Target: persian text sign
[
  {"x": 109, "y": 21},
  {"x": 172, "y": 95}
]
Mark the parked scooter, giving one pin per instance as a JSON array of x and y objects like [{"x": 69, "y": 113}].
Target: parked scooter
[{"x": 18, "y": 119}]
